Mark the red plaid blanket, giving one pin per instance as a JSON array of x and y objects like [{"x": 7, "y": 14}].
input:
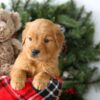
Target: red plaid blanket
[{"x": 28, "y": 93}]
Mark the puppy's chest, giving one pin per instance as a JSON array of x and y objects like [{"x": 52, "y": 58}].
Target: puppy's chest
[{"x": 34, "y": 68}]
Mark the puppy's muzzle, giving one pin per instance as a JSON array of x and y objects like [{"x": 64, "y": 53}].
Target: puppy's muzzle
[{"x": 35, "y": 52}]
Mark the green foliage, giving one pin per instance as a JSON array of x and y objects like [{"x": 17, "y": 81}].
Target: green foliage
[
  {"x": 78, "y": 41},
  {"x": 67, "y": 21},
  {"x": 2, "y": 5}
]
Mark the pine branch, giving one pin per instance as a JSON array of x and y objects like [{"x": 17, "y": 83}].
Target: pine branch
[
  {"x": 17, "y": 4},
  {"x": 75, "y": 81},
  {"x": 26, "y": 4},
  {"x": 92, "y": 82},
  {"x": 2, "y": 5},
  {"x": 70, "y": 80},
  {"x": 13, "y": 4},
  {"x": 80, "y": 13},
  {"x": 87, "y": 18}
]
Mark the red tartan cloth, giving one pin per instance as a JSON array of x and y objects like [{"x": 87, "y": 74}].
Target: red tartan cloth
[{"x": 28, "y": 92}]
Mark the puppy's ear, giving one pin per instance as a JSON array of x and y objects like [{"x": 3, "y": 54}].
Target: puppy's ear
[
  {"x": 25, "y": 32},
  {"x": 59, "y": 36}
]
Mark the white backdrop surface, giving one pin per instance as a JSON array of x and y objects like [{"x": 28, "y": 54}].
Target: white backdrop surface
[{"x": 94, "y": 6}]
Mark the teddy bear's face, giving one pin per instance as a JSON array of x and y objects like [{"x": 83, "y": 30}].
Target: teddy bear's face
[
  {"x": 6, "y": 26},
  {"x": 9, "y": 23}
]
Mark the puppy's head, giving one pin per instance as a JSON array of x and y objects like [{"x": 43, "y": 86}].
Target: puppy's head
[{"x": 42, "y": 40}]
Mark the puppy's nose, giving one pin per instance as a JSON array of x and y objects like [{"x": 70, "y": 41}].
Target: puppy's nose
[{"x": 35, "y": 52}]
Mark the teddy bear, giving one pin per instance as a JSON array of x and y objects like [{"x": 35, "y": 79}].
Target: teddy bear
[{"x": 9, "y": 46}]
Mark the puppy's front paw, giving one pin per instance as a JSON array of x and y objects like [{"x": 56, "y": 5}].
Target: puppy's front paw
[
  {"x": 40, "y": 84},
  {"x": 17, "y": 85}
]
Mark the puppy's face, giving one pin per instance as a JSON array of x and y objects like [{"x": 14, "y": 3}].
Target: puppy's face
[{"x": 42, "y": 40}]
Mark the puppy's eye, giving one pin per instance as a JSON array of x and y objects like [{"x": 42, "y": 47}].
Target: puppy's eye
[
  {"x": 30, "y": 39},
  {"x": 46, "y": 40}
]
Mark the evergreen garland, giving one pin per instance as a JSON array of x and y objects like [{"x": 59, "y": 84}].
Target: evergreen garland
[{"x": 78, "y": 51}]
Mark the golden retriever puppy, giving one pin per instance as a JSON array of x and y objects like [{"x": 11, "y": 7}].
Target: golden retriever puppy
[{"x": 42, "y": 42}]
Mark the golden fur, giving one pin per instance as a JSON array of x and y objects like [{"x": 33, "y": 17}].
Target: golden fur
[{"x": 44, "y": 35}]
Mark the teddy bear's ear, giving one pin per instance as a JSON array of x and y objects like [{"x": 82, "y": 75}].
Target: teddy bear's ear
[
  {"x": 59, "y": 36},
  {"x": 25, "y": 32},
  {"x": 16, "y": 20}
]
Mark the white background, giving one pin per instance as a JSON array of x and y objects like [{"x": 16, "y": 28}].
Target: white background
[{"x": 90, "y": 5}]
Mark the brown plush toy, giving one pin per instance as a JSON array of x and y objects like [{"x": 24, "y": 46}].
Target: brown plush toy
[{"x": 9, "y": 47}]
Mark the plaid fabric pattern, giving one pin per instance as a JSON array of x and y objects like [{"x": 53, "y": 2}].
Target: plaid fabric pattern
[{"x": 28, "y": 92}]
